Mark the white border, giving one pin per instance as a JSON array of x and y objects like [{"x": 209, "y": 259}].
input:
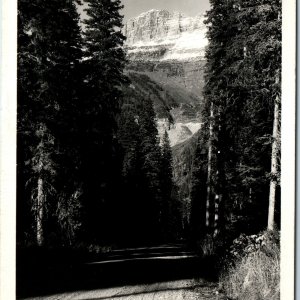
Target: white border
[
  {"x": 8, "y": 68},
  {"x": 288, "y": 136}
]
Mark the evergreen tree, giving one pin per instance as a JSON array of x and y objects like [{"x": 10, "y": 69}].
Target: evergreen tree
[
  {"x": 103, "y": 67},
  {"x": 167, "y": 184},
  {"x": 242, "y": 60},
  {"x": 262, "y": 67},
  {"x": 128, "y": 211},
  {"x": 66, "y": 81},
  {"x": 151, "y": 160},
  {"x": 199, "y": 190},
  {"x": 253, "y": 85},
  {"x": 48, "y": 57},
  {"x": 220, "y": 33},
  {"x": 142, "y": 196}
]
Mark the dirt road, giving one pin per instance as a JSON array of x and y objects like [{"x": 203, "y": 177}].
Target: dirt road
[
  {"x": 189, "y": 289},
  {"x": 157, "y": 273}
]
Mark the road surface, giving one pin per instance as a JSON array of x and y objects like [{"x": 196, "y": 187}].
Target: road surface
[{"x": 150, "y": 273}]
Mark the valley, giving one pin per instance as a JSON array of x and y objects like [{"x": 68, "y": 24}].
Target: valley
[{"x": 165, "y": 52}]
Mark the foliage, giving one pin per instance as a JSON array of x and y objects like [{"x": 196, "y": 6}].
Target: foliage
[
  {"x": 245, "y": 245},
  {"x": 170, "y": 204},
  {"x": 102, "y": 71},
  {"x": 241, "y": 87},
  {"x": 48, "y": 60},
  {"x": 146, "y": 169},
  {"x": 207, "y": 246},
  {"x": 255, "y": 273},
  {"x": 97, "y": 249},
  {"x": 199, "y": 191},
  {"x": 69, "y": 215},
  {"x": 90, "y": 163}
]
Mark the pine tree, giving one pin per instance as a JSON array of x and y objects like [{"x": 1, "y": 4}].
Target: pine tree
[
  {"x": 209, "y": 168},
  {"x": 151, "y": 160},
  {"x": 142, "y": 194},
  {"x": 260, "y": 70},
  {"x": 48, "y": 56},
  {"x": 65, "y": 81},
  {"x": 199, "y": 190},
  {"x": 265, "y": 55},
  {"x": 274, "y": 165},
  {"x": 217, "y": 97},
  {"x": 103, "y": 67},
  {"x": 128, "y": 212},
  {"x": 167, "y": 184},
  {"x": 44, "y": 167},
  {"x": 242, "y": 60}
]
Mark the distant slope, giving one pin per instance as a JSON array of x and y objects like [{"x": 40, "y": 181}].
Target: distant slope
[
  {"x": 165, "y": 52},
  {"x": 162, "y": 100},
  {"x": 167, "y": 97},
  {"x": 177, "y": 75},
  {"x": 177, "y": 109},
  {"x": 183, "y": 157}
]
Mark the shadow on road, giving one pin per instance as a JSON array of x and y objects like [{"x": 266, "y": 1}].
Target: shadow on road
[{"x": 122, "y": 267}]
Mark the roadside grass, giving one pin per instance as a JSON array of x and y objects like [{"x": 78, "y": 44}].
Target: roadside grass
[{"x": 255, "y": 274}]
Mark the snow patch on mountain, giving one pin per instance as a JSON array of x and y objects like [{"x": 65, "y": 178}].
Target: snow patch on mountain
[
  {"x": 170, "y": 46},
  {"x": 178, "y": 132},
  {"x": 172, "y": 35}
]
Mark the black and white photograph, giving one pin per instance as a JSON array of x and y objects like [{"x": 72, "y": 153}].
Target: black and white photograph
[{"x": 149, "y": 150}]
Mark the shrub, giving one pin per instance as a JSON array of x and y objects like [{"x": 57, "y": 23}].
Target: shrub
[
  {"x": 206, "y": 246},
  {"x": 99, "y": 249},
  {"x": 253, "y": 268}
]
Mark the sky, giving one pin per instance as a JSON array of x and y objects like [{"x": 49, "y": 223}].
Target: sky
[{"x": 133, "y": 8}]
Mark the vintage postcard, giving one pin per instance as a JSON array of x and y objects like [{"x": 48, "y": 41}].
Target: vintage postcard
[{"x": 148, "y": 149}]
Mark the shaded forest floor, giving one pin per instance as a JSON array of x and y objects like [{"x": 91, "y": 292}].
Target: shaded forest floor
[{"x": 159, "y": 272}]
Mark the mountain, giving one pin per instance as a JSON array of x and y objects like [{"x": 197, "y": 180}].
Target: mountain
[
  {"x": 165, "y": 52},
  {"x": 161, "y": 35}
]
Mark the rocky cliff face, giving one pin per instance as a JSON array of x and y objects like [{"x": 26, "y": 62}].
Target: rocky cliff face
[
  {"x": 166, "y": 61},
  {"x": 168, "y": 48},
  {"x": 162, "y": 35}
]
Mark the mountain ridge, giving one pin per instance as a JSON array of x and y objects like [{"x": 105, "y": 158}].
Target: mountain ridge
[
  {"x": 165, "y": 57},
  {"x": 166, "y": 60},
  {"x": 163, "y": 35}
]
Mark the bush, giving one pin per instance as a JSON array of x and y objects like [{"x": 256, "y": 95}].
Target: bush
[
  {"x": 209, "y": 246},
  {"x": 99, "y": 249},
  {"x": 206, "y": 246},
  {"x": 253, "y": 268}
]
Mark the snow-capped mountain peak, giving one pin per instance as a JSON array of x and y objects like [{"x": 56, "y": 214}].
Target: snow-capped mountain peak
[{"x": 166, "y": 36}]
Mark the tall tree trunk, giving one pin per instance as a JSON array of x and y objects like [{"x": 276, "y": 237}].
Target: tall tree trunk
[
  {"x": 40, "y": 213},
  {"x": 218, "y": 199},
  {"x": 274, "y": 156},
  {"x": 274, "y": 166},
  {"x": 209, "y": 181},
  {"x": 219, "y": 172}
]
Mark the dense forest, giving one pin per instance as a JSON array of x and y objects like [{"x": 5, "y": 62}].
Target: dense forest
[
  {"x": 90, "y": 164},
  {"x": 238, "y": 151},
  {"x": 92, "y": 169}
]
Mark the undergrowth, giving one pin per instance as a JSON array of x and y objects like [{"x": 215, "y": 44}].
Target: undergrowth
[{"x": 252, "y": 269}]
